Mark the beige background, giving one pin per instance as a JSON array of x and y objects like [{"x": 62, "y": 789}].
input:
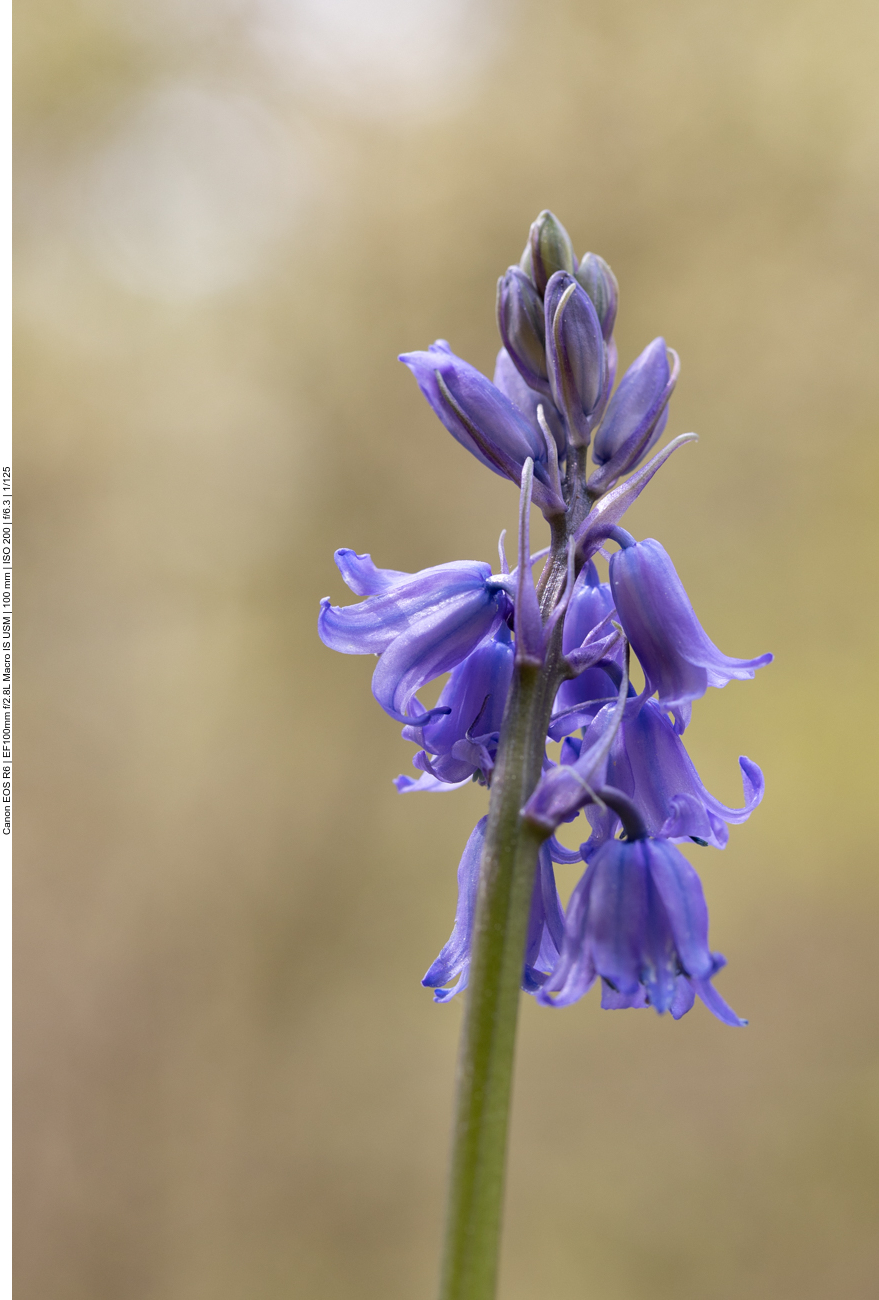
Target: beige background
[{"x": 232, "y": 215}]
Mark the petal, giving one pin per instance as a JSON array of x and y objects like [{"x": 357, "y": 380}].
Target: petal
[
  {"x": 454, "y": 958},
  {"x": 618, "y": 912},
  {"x": 675, "y": 653},
  {"x": 612, "y": 1000},
  {"x": 680, "y": 889},
  {"x": 513, "y": 386},
  {"x": 715, "y": 1003},
  {"x": 637, "y": 403},
  {"x": 490, "y": 423},
  {"x": 476, "y": 694},
  {"x": 371, "y": 626},
  {"x": 360, "y": 574},
  {"x": 685, "y": 996},
  {"x": 431, "y": 645},
  {"x": 575, "y": 351},
  {"x": 575, "y": 972},
  {"x": 426, "y": 782},
  {"x": 659, "y": 969}
]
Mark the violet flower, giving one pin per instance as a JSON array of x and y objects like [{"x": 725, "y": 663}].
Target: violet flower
[
  {"x": 420, "y": 624},
  {"x": 678, "y": 659},
  {"x": 649, "y": 763},
  {"x": 546, "y": 926},
  {"x": 510, "y": 382},
  {"x": 600, "y": 283},
  {"x": 635, "y": 416},
  {"x": 462, "y": 744},
  {"x": 483, "y": 420},
  {"x": 578, "y": 362},
  {"x": 638, "y": 921},
  {"x": 579, "y": 699}
]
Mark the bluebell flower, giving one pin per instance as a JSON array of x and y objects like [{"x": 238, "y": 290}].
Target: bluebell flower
[
  {"x": 576, "y": 355},
  {"x": 549, "y": 250},
  {"x": 420, "y": 624},
  {"x": 649, "y": 763},
  {"x": 579, "y": 699},
  {"x": 483, "y": 420},
  {"x": 522, "y": 328},
  {"x": 638, "y": 921},
  {"x": 462, "y": 744},
  {"x": 635, "y": 416},
  {"x": 546, "y": 925},
  {"x": 600, "y": 283},
  {"x": 678, "y": 659},
  {"x": 510, "y": 382}
]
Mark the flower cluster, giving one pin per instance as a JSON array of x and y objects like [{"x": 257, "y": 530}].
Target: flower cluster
[{"x": 637, "y": 920}]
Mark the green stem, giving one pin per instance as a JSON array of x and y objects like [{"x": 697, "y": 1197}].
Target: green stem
[{"x": 485, "y": 1067}]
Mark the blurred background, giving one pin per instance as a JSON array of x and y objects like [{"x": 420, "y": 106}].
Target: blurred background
[{"x": 232, "y": 216}]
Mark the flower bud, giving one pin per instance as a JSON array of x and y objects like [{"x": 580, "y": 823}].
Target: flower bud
[
  {"x": 576, "y": 354},
  {"x": 600, "y": 283},
  {"x": 638, "y": 410},
  {"x": 551, "y": 250},
  {"x": 520, "y": 320}
]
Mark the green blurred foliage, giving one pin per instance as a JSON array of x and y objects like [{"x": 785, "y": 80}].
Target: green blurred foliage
[{"x": 230, "y": 1080}]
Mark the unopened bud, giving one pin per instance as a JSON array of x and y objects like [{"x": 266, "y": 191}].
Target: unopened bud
[
  {"x": 520, "y": 320},
  {"x": 637, "y": 412},
  {"x": 576, "y": 354},
  {"x": 600, "y": 283},
  {"x": 551, "y": 250}
]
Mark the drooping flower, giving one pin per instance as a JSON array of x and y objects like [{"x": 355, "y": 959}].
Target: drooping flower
[
  {"x": 483, "y": 420},
  {"x": 463, "y": 743},
  {"x": 522, "y": 328},
  {"x": 649, "y": 763},
  {"x": 545, "y": 925},
  {"x": 635, "y": 416},
  {"x": 420, "y": 624},
  {"x": 678, "y": 659},
  {"x": 638, "y": 921},
  {"x": 600, "y": 283},
  {"x": 580, "y": 698},
  {"x": 576, "y": 355},
  {"x": 510, "y": 382}
]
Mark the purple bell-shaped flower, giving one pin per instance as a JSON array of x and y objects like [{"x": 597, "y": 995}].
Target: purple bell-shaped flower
[
  {"x": 420, "y": 624},
  {"x": 678, "y": 659},
  {"x": 638, "y": 921},
  {"x": 546, "y": 925}
]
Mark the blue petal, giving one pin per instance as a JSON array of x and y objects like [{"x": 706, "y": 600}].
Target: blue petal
[
  {"x": 680, "y": 890},
  {"x": 575, "y": 972},
  {"x": 576, "y": 353},
  {"x": 618, "y": 913},
  {"x": 667, "y": 788},
  {"x": 453, "y": 961},
  {"x": 432, "y": 644},
  {"x": 361, "y": 575},
  {"x": 715, "y": 1003},
  {"x": 371, "y": 626},
  {"x": 428, "y": 783},
  {"x": 637, "y": 404},
  {"x": 501, "y": 427},
  {"x": 677, "y": 657},
  {"x": 476, "y": 695},
  {"x": 613, "y": 1000},
  {"x": 513, "y": 386}
]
